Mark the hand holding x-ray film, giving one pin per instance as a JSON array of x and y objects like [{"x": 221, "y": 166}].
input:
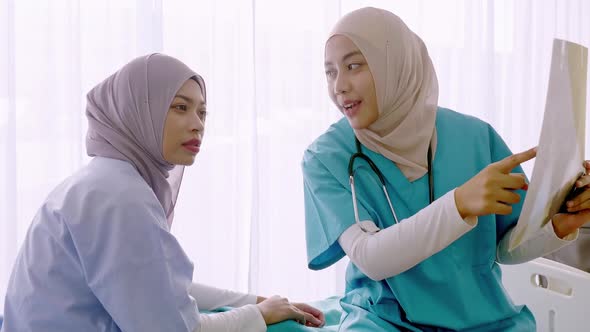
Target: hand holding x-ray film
[{"x": 560, "y": 153}]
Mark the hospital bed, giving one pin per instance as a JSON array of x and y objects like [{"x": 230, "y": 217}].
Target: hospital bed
[{"x": 558, "y": 295}]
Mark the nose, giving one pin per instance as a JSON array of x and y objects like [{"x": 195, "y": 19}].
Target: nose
[
  {"x": 198, "y": 124},
  {"x": 341, "y": 84}
]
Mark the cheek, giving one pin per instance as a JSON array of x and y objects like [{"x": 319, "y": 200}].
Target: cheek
[
  {"x": 373, "y": 116},
  {"x": 169, "y": 137},
  {"x": 370, "y": 95},
  {"x": 167, "y": 146},
  {"x": 367, "y": 85}
]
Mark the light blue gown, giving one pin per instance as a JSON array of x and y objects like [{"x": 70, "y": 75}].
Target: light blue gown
[
  {"x": 459, "y": 288},
  {"x": 98, "y": 256}
]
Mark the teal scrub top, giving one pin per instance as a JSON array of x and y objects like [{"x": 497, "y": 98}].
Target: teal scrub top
[{"x": 458, "y": 288}]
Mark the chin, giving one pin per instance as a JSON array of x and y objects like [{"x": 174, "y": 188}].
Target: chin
[
  {"x": 184, "y": 161},
  {"x": 188, "y": 162},
  {"x": 357, "y": 124}
]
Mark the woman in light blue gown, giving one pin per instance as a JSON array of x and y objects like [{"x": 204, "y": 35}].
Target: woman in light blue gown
[{"x": 99, "y": 255}]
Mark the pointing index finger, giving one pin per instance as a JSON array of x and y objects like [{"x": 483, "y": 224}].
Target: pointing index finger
[{"x": 509, "y": 163}]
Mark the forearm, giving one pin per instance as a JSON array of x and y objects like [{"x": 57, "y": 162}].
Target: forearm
[
  {"x": 434, "y": 228},
  {"x": 210, "y": 298},
  {"x": 544, "y": 242}
]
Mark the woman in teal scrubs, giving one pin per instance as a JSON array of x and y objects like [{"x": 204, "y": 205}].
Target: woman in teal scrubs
[{"x": 428, "y": 262}]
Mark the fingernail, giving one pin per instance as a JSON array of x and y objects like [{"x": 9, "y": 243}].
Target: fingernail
[
  {"x": 578, "y": 184},
  {"x": 525, "y": 187},
  {"x": 570, "y": 204}
]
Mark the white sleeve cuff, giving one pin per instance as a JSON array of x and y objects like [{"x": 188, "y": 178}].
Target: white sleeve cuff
[
  {"x": 550, "y": 231},
  {"x": 243, "y": 319},
  {"x": 454, "y": 212},
  {"x": 542, "y": 243},
  {"x": 211, "y": 298}
]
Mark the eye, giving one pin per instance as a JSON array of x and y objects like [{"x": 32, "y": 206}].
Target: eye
[
  {"x": 330, "y": 73},
  {"x": 182, "y": 108},
  {"x": 353, "y": 66},
  {"x": 203, "y": 115}
]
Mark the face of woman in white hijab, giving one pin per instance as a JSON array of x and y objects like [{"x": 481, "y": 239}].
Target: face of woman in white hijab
[
  {"x": 350, "y": 82},
  {"x": 185, "y": 125}
]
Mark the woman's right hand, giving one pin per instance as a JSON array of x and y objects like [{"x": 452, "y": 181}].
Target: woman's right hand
[
  {"x": 277, "y": 309},
  {"x": 491, "y": 191}
]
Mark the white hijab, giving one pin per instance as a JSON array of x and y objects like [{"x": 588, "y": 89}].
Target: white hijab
[{"x": 406, "y": 88}]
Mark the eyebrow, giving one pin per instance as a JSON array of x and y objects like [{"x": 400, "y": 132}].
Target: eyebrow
[
  {"x": 190, "y": 100},
  {"x": 345, "y": 57}
]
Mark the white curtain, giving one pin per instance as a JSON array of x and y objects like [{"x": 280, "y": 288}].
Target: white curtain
[{"x": 240, "y": 211}]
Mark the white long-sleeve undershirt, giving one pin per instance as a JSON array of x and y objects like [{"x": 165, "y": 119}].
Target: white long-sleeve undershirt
[
  {"x": 433, "y": 228},
  {"x": 245, "y": 316}
]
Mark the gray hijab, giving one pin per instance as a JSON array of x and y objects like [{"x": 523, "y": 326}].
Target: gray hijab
[{"x": 126, "y": 115}]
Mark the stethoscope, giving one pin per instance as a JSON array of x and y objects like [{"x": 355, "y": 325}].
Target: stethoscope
[{"x": 359, "y": 154}]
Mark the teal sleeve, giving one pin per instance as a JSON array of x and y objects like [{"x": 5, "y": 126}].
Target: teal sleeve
[
  {"x": 328, "y": 212},
  {"x": 499, "y": 150}
]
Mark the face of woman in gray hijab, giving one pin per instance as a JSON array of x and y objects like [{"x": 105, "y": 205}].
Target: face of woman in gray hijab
[
  {"x": 184, "y": 125},
  {"x": 150, "y": 113}
]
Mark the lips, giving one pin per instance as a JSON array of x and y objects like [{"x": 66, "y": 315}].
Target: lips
[
  {"x": 195, "y": 142},
  {"x": 193, "y": 145},
  {"x": 351, "y": 107}
]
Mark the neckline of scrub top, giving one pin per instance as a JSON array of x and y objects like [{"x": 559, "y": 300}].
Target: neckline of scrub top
[
  {"x": 407, "y": 197},
  {"x": 387, "y": 166}
]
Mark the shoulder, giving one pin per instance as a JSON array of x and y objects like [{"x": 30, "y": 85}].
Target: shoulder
[
  {"x": 99, "y": 189},
  {"x": 337, "y": 136},
  {"x": 467, "y": 128},
  {"x": 448, "y": 118},
  {"x": 470, "y": 136},
  {"x": 333, "y": 146},
  {"x": 116, "y": 177}
]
